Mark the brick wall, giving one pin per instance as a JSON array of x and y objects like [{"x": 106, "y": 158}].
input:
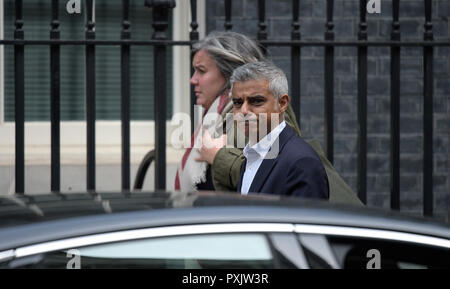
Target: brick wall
[{"x": 346, "y": 19}]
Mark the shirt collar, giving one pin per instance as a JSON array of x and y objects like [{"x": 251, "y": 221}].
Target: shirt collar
[{"x": 263, "y": 146}]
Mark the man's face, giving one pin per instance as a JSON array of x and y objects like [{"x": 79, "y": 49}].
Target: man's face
[{"x": 255, "y": 107}]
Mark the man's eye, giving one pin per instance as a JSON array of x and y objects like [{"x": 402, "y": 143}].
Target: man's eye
[
  {"x": 237, "y": 102},
  {"x": 256, "y": 101}
]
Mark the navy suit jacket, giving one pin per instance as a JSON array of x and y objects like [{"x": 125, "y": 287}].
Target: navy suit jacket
[{"x": 296, "y": 171}]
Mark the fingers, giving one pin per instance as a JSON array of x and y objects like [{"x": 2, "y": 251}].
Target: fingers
[
  {"x": 224, "y": 139},
  {"x": 209, "y": 147},
  {"x": 208, "y": 142}
]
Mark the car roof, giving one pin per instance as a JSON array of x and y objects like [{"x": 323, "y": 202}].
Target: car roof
[
  {"x": 28, "y": 209},
  {"x": 32, "y": 219}
]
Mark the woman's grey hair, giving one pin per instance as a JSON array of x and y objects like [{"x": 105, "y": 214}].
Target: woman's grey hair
[
  {"x": 262, "y": 70},
  {"x": 229, "y": 51}
]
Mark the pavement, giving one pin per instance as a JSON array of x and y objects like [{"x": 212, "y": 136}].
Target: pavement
[{"x": 73, "y": 168}]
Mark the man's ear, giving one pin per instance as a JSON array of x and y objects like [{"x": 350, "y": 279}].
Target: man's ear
[{"x": 283, "y": 102}]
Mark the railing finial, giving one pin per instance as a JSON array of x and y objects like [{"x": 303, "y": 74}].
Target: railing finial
[
  {"x": 228, "y": 25},
  {"x": 160, "y": 16},
  {"x": 193, "y": 35}
]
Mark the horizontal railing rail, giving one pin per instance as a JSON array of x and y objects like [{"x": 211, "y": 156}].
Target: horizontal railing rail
[{"x": 319, "y": 43}]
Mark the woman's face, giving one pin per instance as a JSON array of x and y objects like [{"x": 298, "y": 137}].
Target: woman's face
[{"x": 207, "y": 80}]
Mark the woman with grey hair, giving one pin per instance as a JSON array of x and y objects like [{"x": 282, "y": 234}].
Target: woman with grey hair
[{"x": 214, "y": 59}]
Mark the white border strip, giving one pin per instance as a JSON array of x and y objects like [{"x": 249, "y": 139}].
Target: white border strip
[
  {"x": 6, "y": 255},
  {"x": 150, "y": 233},
  {"x": 373, "y": 233}
]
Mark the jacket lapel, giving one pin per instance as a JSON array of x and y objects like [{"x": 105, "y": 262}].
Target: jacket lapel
[
  {"x": 261, "y": 175},
  {"x": 268, "y": 164}
]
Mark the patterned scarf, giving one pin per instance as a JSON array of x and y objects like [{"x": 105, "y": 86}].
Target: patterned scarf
[{"x": 190, "y": 172}]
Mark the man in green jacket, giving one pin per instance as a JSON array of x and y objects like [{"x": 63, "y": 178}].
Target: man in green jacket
[
  {"x": 226, "y": 165},
  {"x": 225, "y": 49}
]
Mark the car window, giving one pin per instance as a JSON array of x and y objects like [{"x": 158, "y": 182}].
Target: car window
[
  {"x": 318, "y": 252},
  {"x": 346, "y": 252},
  {"x": 289, "y": 252},
  {"x": 212, "y": 251},
  {"x": 365, "y": 253}
]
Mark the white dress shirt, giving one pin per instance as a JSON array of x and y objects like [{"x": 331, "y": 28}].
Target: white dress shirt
[{"x": 256, "y": 154}]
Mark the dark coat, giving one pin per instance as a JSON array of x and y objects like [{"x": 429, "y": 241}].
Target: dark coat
[{"x": 296, "y": 171}]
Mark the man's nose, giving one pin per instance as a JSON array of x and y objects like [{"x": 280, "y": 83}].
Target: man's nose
[
  {"x": 244, "y": 108},
  {"x": 194, "y": 79}
]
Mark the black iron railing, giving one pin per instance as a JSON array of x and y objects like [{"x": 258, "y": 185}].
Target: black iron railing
[
  {"x": 55, "y": 112},
  {"x": 160, "y": 43},
  {"x": 125, "y": 91}
]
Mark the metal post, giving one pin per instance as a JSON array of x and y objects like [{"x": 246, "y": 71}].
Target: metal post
[
  {"x": 395, "y": 109},
  {"x": 295, "y": 61},
  {"x": 428, "y": 114},
  {"x": 228, "y": 25},
  {"x": 125, "y": 91},
  {"x": 362, "y": 106},
  {"x": 262, "y": 26},
  {"x": 55, "y": 100},
  {"x": 90, "y": 97},
  {"x": 193, "y": 36},
  {"x": 329, "y": 84},
  {"x": 19, "y": 94},
  {"x": 161, "y": 9}
]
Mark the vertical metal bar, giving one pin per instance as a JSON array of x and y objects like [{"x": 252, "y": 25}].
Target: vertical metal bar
[
  {"x": 55, "y": 100},
  {"x": 160, "y": 116},
  {"x": 193, "y": 36},
  {"x": 125, "y": 107},
  {"x": 329, "y": 84},
  {"x": 19, "y": 104},
  {"x": 295, "y": 61},
  {"x": 362, "y": 106},
  {"x": 161, "y": 11},
  {"x": 428, "y": 114},
  {"x": 262, "y": 26},
  {"x": 395, "y": 109},
  {"x": 228, "y": 25},
  {"x": 90, "y": 97}
]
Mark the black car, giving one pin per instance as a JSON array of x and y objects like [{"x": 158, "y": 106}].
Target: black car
[{"x": 211, "y": 230}]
